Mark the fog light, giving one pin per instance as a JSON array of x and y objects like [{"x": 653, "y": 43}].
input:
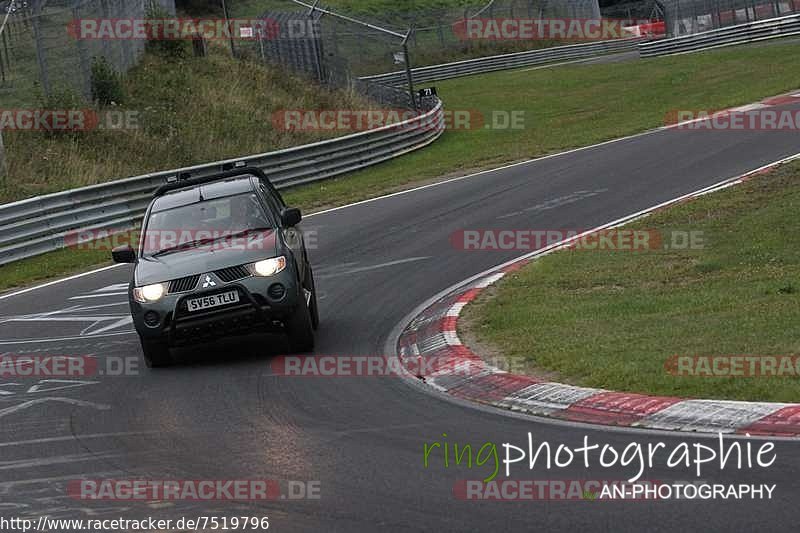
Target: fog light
[
  {"x": 276, "y": 291},
  {"x": 151, "y": 318}
]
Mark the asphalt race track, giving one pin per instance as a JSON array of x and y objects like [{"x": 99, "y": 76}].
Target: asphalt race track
[{"x": 223, "y": 414}]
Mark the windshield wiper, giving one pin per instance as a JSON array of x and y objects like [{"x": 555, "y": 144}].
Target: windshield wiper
[
  {"x": 183, "y": 246},
  {"x": 241, "y": 233},
  {"x": 200, "y": 242}
]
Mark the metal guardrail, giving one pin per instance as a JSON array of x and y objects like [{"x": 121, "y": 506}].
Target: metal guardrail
[
  {"x": 760, "y": 30},
  {"x": 508, "y": 61},
  {"x": 45, "y": 223}
]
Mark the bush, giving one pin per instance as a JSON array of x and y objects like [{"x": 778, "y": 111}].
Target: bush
[
  {"x": 170, "y": 49},
  {"x": 63, "y": 99},
  {"x": 106, "y": 83},
  {"x": 199, "y": 7}
]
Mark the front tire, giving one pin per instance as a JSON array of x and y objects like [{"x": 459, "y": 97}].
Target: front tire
[
  {"x": 300, "y": 329},
  {"x": 156, "y": 353}
]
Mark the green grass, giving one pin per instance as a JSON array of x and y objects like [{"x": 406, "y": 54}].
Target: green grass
[
  {"x": 572, "y": 106},
  {"x": 612, "y": 319},
  {"x": 189, "y": 111},
  {"x": 564, "y": 107},
  {"x": 51, "y": 265}
]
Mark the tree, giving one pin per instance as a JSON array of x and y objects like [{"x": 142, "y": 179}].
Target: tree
[{"x": 199, "y": 8}]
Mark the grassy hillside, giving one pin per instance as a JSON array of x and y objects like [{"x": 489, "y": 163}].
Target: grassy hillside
[{"x": 189, "y": 111}]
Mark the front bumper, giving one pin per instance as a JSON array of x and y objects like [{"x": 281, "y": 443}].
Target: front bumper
[{"x": 256, "y": 311}]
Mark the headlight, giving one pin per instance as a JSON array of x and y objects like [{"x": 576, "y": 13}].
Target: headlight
[
  {"x": 268, "y": 267},
  {"x": 149, "y": 293}
]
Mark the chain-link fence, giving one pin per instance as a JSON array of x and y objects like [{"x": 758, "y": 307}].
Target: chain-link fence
[
  {"x": 40, "y": 55},
  {"x": 338, "y": 50},
  {"x": 638, "y": 10},
  {"x": 684, "y": 17},
  {"x": 316, "y": 45}
]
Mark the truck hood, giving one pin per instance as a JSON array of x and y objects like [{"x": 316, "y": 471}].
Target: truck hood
[{"x": 206, "y": 259}]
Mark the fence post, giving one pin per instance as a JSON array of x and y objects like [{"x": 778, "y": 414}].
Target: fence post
[
  {"x": 261, "y": 45},
  {"x": 3, "y": 166},
  {"x": 409, "y": 75},
  {"x": 85, "y": 69},
  {"x": 228, "y": 24},
  {"x": 2, "y": 63},
  {"x": 40, "y": 57},
  {"x": 128, "y": 58},
  {"x": 316, "y": 43},
  {"x": 104, "y": 43}
]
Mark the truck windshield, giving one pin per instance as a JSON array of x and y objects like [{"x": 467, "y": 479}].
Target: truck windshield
[{"x": 190, "y": 226}]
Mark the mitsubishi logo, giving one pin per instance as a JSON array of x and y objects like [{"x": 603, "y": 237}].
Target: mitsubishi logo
[{"x": 209, "y": 282}]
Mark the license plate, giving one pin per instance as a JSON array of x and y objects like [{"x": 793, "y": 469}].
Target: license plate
[{"x": 215, "y": 300}]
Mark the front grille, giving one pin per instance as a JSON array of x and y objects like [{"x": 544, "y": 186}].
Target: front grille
[
  {"x": 183, "y": 284},
  {"x": 236, "y": 321},
  {"x": 233, "y": 273}
]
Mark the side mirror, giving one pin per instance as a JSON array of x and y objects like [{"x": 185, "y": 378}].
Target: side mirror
[
  {"x": 123, "y": 254},
  {"x": 291, "y": 217}
]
